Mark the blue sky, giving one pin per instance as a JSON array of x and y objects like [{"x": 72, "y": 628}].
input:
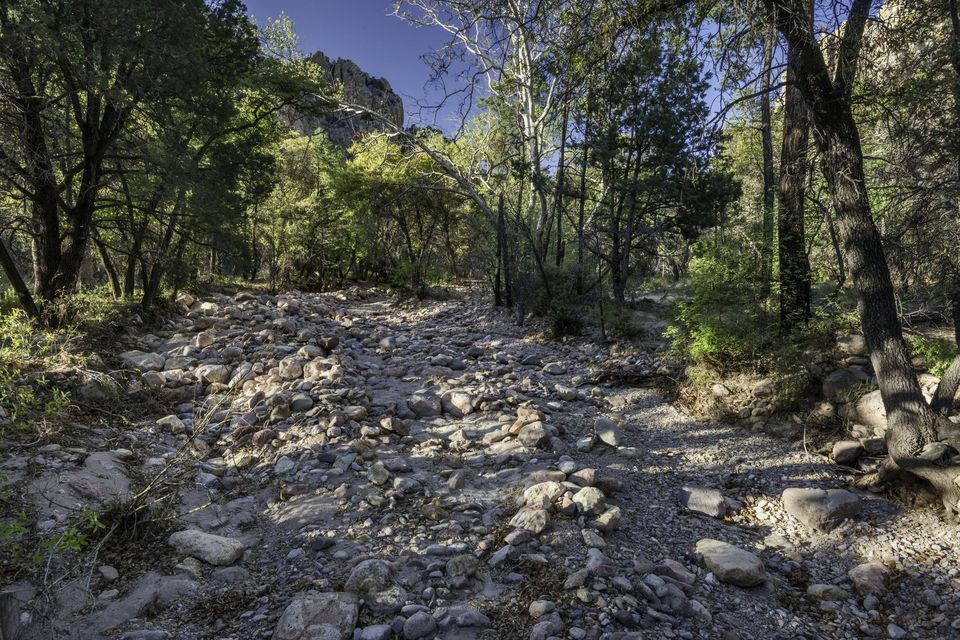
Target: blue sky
[{"x": 363, "y": 31}]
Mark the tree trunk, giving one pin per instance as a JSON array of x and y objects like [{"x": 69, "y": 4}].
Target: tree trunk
[
  {"x": 504, "y": 251},
  {"x": 558, "y": 201},
  {"x": 9, "y": 613},
  {"x": 497, "y": 290},
  {"x": 955, "y": 63},
  {"x": 616, "y": 241},
  {"x": 766, "y": 136},
  {"x": 794, "y": 265},
  {"x": 837, "y": 249},
  {"x": 946, "y": 391},
  {"x": 112, "y": 276},
  {"x": 581, "y": 239},
  {"x": 20, "y": 287},
  {"x": 912, "y": 424},
  {"x": 151, "y": 282}
]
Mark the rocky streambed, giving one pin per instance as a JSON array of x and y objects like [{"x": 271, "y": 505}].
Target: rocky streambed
[{"x": 341, "y": 468}]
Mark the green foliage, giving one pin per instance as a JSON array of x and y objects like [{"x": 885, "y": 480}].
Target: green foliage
[
  {"x": 937, "y": 353},
  {"x": 77, "y": 537},
  {"x": 14, "y": 529},
  {"x": 565, "y": 320},
  {"x": 620, "y": 321},
  {"x": 12, "y": 524},
  {"x": 564, "y": 310},
  {"x": 26, "y": 396},
  {"x": 722, "y": 325},
  {"x": 721, "y": 320}
]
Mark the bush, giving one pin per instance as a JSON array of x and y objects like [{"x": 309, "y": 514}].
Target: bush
[
  {"x": 565, "y": 321},
  {"x": 721, "y": 320},
  {"x": 724, "y": 324},
  {"x": 29, "y": 398},
  {"x": 562, "y": 306},
  {"x": 936, "y": 353}
]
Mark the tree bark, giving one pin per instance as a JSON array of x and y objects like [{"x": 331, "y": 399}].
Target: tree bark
[
  {"x": 946, "y": 391},
  {"x": 794, "y": 265},
  {"x": 558, "y": 199},
  {"x": 503, "y": 254},
  {"x": 151, "y": 282},
  {"x": 955, "y": 63},
  {"x": 766, "y": 136},
  {"x": 581, "y": 239}
]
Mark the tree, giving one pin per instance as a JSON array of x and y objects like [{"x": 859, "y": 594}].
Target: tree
[
  {"x": 652, "y": 156},
  {"x": 766, "y": 136},
  {"x": 73, "y": 74},
  {"x": 912, "y": 423},
  {"x": 794, "y": 265}
]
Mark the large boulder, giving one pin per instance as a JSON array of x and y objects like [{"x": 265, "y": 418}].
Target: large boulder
[
  {"x": 533, "y": 435},
  {"x": 870, "y": 410},
  {"x": 213, "y": 373},
  {"x": 319, "y": 616},
  {"x": 819, "y": 509},
  {"x": 608, "y": 432},
  {"x": 533, "y": 519},
  {"x": 869, "y": 578},
  {"x": 840, "y": 385},
  {"x": 853, "y": 345},
  {"x": 425, "y": 405},
  {"x": 291, "y": 368},
  {"x": 543, "y": 494},
  {"x": 590, "y": 501},
  {"x": 457, "y": 403},
  {"x": 847, "y": 451},
  {"x": 731, "y": 564}
]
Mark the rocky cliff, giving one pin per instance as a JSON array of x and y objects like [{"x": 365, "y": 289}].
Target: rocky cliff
[{"x": 358, "y": 88}]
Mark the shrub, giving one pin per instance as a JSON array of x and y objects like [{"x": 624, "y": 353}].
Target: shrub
[
  {"x": 721, "y": 319},
  {"x": 937, "y": 353},
  {"x": 723, "y": 323}
]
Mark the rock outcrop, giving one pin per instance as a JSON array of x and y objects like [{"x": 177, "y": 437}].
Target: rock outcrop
[{"x": 359, "y": 88}]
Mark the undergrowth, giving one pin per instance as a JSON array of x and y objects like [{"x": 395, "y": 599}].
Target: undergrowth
[
  {"x": 724, "y": 325},
  {"x": 936, "y": 353}
]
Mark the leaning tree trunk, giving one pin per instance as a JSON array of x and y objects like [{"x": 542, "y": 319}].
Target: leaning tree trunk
[
  {"x": 109, "y": 267},
  {"x": 20, "y": 287},
  {"x": 911, "y": 423}
]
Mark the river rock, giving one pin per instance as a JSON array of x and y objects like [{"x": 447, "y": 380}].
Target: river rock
[
  {"x": 419, "y": 625},
  {"x": 210, "y": 548},
  {"x": 702, "y": 500},
  {"x": 731, "y": 564},
  {"x": 143, "y": 361},
  {"x": 373, "y": 580},
  {"x": 425, "y": 405},
  {"x": 589, "y": 500},
  {"x": 533, "y": 519},
  {"x": 819, "y": 509},
  {"x": 840, "y": 384},
  {"x": 871, "y": 412},
  {"x": 869, "y": 578},
  {"x": 318, "y": 616},
  {"x": 608, "y": 432}
]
